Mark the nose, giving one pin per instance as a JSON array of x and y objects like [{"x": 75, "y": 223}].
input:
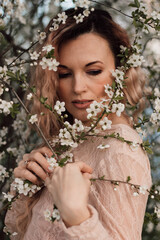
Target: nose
[{"x": 79, "y": 83}]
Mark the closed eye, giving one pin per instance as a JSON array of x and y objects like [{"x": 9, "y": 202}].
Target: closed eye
[
  {"x": 64, "y": 75},
  {"x": 94, "y": 72}
]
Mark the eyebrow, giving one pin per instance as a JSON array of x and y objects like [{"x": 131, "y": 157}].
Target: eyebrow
[{"x": 88, "y": 64}]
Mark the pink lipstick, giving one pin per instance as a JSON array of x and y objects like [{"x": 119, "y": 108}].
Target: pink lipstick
[{"x": 84, "y": 103}]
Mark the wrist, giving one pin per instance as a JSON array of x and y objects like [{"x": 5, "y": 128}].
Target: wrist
[{"x": 76, "y": 216}]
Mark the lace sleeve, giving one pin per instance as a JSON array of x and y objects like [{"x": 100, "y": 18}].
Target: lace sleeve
[{"x": 116, "y": 213}]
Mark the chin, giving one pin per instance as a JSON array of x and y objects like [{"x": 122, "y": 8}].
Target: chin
[{"x": 81, "y": 116}]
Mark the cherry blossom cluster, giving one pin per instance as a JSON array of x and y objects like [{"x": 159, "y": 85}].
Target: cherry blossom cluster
[
  {"x": 52, "y": 216},
  {"x": 12, "y": 10},
  {"x": 157, "y": 211},
  {"x": 155, "y": 116},
  {"x": 143, "y": 17},
  {"x": 24, "y": 187},
  {"x": 52, "y": 163},
  {"x": 62, "y": 17},
  {"x": 5, "y": 106},
  {"x": 3, "y": 173}
]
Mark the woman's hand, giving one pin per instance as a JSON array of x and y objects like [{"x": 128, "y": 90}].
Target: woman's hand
[
  {"x": 34, "y": 166},
  {"x": 69, "y": 187}
]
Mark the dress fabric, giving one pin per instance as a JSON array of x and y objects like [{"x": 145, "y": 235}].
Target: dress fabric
[{"x": 116, "y": 214}]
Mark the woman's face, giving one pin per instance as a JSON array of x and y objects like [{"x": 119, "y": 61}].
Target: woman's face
[{"x": 84, "y": 69}]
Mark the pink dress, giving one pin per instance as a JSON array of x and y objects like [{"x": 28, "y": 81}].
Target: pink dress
[{"x": 115, "y": 214}]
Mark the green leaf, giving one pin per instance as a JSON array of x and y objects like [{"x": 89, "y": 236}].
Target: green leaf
[
  {"x": 43, "y": 100},
  {"x": 14, "y": 110},
  {"x": 132, "y": 5},
  {"x": 157, "y": 28},
  {"x": 50, "y": 54},
  {"x": 137, "y": 3},
  {"x": 101, "y": 178},
  {"x": 33, "y": 89},
  {"x": 113, "y": 85},
  {"x": 158, "y": 129},
  {"x": 48, "y": 106},
  {"x": 128, "y": 179}
]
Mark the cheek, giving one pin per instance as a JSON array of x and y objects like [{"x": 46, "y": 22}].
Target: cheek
[{"x": 62, "y": 91}]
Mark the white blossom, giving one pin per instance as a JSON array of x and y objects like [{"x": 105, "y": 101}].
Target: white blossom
[
  {"x": 62, "y": 17},
  {"x": 103, "y": 146},
  {"x": 135, "y": 60},
  {"x": 1, "y": 22},
  {"x": 66, "y": 138},
  {"x": 78, "y": 125},
  {"x": 155, "y": 117},
  {"x": 104, "y": 104},
  {"x": 42, "y": 36},
  {"x": 14, "y": 233},
  {"x": 21, "y": 187},
  {"x": 79, "y": 18},
  {"x": 105, "y": 123},
  {"x": 34, "y": 55},
  {"x": 1, "y": 89},
  {"x": 93, "y": 110},
  {"x": 52, "y": 163},
  {"x": 118, "y": 108},
  {"x": 50, "y": 216},
  {"x": 86, "y": 12},
  {"x": 67, "y": 155},
  {"x": 47, "y": 215},
  {"x": 157, "y": 92},
  {"x": 83, "y": 3},
  {"x": 157, "y": 211},
  {"x": 50, "y": 63},
  {"x": 119, "y": 92},
  {"x": 134, "y": 146},
  {"x": 157, "y": 104},
  {"x": 143, "y": 189},
  {"x": 155, "y": 15},
  {"x": 56, "y": 214},
  {"x": 33, "y": 119},
  {"x": 135, "y": 194},
  {"x": 59, "y": 107},
  {"x": 3, "y": 173},
  {"x": 8, "y": 196},
  {"x": 3, "y": 131},
  {"x": 29, "y": 96},
  {"x": 55, "y": 25},
  {"x": 118, "y": 74},
  {"x": 108, "y": 90},
  {"x": 5, "y": 106},
  {"x": 12, "y": 150},
  {"x": 141, "y": 131},
  {"x": 122, "y": 48},
  {"x": 47, "y": 48}
]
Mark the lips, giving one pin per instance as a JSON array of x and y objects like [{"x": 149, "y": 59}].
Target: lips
[{"x": 84, "y": 103}]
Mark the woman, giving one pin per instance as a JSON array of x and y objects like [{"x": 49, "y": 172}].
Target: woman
[{"x": 87, "y": 52}]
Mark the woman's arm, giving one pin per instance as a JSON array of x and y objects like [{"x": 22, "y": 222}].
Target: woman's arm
[{"x": 115, "y": 214}]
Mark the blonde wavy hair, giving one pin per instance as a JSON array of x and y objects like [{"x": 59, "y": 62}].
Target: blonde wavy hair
[{"x": 45, "y": 81}]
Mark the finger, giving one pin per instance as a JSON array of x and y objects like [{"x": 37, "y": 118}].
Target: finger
[
  {"x": 25, "y": 174},
  {"x": 44, "y": 151},
  {"x": 87, "y": 175},
  {"x": 40, "y": 159},
  {"x": 84, "y": 167},
  {"x": 47, "y": 181},
  {"x": 22, "y": 164},
  {"x": 35, "y": 168}
]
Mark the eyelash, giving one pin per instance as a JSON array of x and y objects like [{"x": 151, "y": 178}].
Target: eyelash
[{"x": 93, "y": 73}]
